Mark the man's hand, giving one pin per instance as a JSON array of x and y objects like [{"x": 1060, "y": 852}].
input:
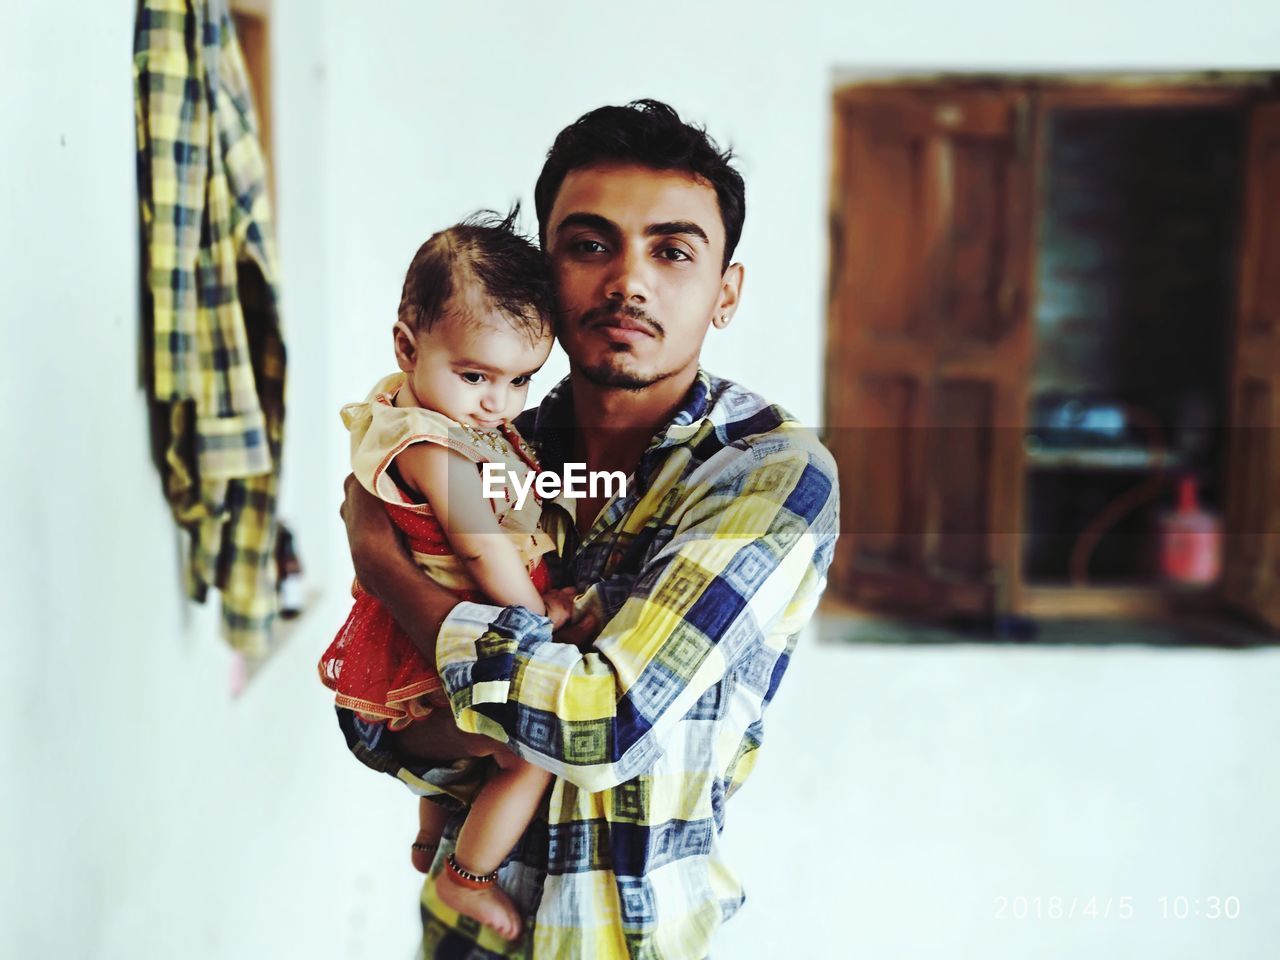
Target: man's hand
[
  {"x": 437, "y": 740},
  {"x": 386, "y": 570},
  {"x": 581, "y": 632},
  {"x": 370, "y": 534}
]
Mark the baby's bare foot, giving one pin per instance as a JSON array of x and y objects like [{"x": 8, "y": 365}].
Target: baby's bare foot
[
  {"x": 489, "y": 905},
  {"x": 431, "y": 820}
]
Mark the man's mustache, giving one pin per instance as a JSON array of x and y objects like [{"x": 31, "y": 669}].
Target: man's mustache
[{"x": 614, "y": 310}]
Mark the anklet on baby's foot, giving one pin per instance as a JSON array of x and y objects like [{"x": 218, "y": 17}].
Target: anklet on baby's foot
[
  {"x": 466, "y": 878},
  {"x": 423, "y": 855}
]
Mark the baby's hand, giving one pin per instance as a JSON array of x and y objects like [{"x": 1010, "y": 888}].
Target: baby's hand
[{"x": 559, "y": 605}]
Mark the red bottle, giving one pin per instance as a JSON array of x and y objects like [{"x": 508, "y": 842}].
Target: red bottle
[{"x": 1190, "y": 541}]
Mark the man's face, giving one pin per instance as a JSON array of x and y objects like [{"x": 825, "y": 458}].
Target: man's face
[{"x": 637, "y": 254}]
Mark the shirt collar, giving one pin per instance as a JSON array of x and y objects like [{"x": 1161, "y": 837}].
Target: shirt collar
[
  {"x": 689, "y": 418},
  {"x": 553, "y": 419}
]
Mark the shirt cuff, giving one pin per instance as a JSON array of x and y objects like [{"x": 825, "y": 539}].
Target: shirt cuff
[{"x": 476, "y": 659}]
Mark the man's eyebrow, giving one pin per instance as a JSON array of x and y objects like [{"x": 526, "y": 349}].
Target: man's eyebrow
[
  {"x": 668, "y": 228},
  {"x": 592, "y": 221},
  {"x": 676, "y": 227}
]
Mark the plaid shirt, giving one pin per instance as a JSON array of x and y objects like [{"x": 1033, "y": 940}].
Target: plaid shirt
[
  {"x": 216, "y": 354},
  {"x": 705, "y": 571}
]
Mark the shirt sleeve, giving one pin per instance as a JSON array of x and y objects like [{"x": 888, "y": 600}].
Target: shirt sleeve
[{"x": 744, "y": 565}]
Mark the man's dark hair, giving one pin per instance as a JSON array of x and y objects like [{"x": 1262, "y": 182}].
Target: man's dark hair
[
  {"x": 647, "y": 133},
  {"x": 484, "y": 249}
]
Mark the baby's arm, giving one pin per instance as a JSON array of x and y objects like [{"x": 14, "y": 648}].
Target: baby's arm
[{"x": 451, "y": 483}]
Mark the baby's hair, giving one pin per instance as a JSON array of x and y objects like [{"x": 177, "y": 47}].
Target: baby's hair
[{"x": 484, "y": 249}]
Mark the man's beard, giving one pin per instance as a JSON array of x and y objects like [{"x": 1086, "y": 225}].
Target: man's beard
[
  {"x": 614, "y": 373},
  {"x": 610, "y": 375}
]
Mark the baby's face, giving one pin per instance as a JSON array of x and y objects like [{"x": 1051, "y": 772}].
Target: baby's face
[{"x": 476, "y": 370}]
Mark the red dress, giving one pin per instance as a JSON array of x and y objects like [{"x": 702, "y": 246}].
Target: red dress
[{"x": 372, "y": 666}]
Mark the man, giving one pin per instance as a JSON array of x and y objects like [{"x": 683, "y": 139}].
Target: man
[{"x": 698, "y": 578}]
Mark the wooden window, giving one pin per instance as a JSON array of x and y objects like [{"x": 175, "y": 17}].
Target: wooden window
[
  {"x": 253, "y": 30},
  {"x": 938, "y": 228}
]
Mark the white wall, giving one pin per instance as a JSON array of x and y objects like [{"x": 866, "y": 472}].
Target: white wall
[
  {"x": 933, "y": 802},
  {"x": 439, "y": 109},
  {"x": 142, "y": 807},
  {"x": 154, "y": 815}
]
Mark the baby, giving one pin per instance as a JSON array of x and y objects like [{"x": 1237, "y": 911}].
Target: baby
[{"x": 473, "y": 327}]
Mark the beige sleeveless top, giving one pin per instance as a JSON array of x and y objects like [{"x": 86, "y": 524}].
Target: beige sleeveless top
[{"x": 380, "y": 431}]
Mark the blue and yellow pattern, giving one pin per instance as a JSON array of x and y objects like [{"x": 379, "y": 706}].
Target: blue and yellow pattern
[{"x": 704, "y": 573}]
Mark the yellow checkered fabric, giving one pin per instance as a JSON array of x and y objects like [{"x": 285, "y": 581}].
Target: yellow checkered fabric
[
  {"x": 703, "y": 573},
  {"x": 216, "y": 354}
]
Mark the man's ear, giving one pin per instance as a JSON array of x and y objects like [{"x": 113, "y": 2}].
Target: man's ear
[
  {"x": 406, "y": 342},
  {"x": 730, "y": 294}
]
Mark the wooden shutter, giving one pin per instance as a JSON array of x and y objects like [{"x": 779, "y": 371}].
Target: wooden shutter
[
  {"x": 928, "y": 344},
  {"x": 1252, "y": 568},
  {"x": 252, "y": 20}
]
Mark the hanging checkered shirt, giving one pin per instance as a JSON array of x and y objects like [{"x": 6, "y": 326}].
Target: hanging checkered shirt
[{"x": 216, "y": 354}]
